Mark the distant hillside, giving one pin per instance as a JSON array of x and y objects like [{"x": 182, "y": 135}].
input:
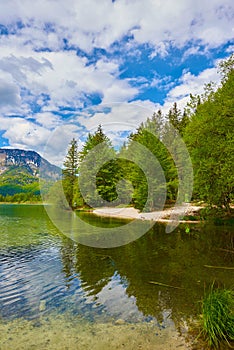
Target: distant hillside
[
  {"x": 19, "y": 174},
  {"x": 30, "y": 160}
]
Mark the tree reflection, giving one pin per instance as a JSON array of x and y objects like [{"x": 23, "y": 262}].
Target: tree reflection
[{"x": 176, "y": 259}]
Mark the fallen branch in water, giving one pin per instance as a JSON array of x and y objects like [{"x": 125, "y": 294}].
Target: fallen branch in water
[
  {"x": 164, "y": 285},
  {"x": 220, "y": 267}
]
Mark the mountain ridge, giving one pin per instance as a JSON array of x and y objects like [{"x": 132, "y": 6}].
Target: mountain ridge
[
  {"x": 31, "y": 160},
  {"x": 20, "y": 171}
]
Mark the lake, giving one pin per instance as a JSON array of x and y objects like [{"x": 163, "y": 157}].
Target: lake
[{"x": 58, "y": 294}]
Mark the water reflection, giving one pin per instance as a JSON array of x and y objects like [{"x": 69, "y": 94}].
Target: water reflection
[
  {"x": 43, "y": 271},
  {"x": 177, "y": 260}
]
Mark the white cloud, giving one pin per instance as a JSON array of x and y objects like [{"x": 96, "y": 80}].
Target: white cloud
[
  {"x": 66, "y": 77},
  {"x": 9, "y": 94},
  {"x": 230, "y": 49},
  {"x": 50, "y": 143},
  {"x": 163, "y": 83},
  {"x": 57, "y": 143},
  {"x": 193, "y": 50},
  {"x": 190, "y": 83},
  {"x": 100, "y": 24},
  {"x": 34, "y": 62},
  {"x": 176, "y": 23},
  {"x": 47, "y": 119},
  {"x": 119, "y": 117},
  {"x": 10, "y": 99},
  {"x": 20, "y": 131}
]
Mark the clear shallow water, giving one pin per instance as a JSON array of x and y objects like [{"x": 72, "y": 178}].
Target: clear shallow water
[{"x": 43, "y": 272}]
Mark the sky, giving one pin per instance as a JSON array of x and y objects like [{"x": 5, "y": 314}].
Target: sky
[{"x": 68, "y": 66}]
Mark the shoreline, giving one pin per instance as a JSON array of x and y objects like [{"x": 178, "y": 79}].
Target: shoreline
[
  {"x": 169, "y": 215},
  {"x": 164, "y": 216},
  {"x": 21, "y": 203}
]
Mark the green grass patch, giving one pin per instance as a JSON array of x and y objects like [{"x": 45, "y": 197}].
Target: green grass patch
[{"x": 218, "y": 317}]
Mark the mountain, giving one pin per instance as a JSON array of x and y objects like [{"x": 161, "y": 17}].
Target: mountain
[
  {"x": 30, "y": 160},
  {"x": 20, "y": 171}
]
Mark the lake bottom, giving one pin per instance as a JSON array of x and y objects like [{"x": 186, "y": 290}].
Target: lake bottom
[{"x": 66, "y": 332}]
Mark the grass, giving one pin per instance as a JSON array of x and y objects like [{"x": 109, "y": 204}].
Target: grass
[{"x": 218, "y": 317}]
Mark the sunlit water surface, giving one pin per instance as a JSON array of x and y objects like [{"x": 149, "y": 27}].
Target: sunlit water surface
[{"x": 45, "y": 275}]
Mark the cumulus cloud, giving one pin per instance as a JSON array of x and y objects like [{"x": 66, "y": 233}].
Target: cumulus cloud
[
  {"x": 20, "y": 131},
  {"x": 48, "y": 62},
  {"x": 67, "y": 78},
  {"x": 189, "y": 83},
  {"x": 9, "y": 94},
  {"x": 118, "y": 118},
  {"x": 57, "y": 143},
  {"x": 47, "y": 119},
  {"x": 10, "y": 98},
  {"x": 50, "y": 143},
  {"x": 100, "y": 24}
]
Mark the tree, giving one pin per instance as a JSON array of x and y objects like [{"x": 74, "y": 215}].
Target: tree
[
  {"x": 70, "y": 172},
  {"x": 174, "y": 116},
  {"x": 94, "y": 140},
  {"x": 98, "y": 169},
  {"x": 149, "y": 185},
  {"x": 226, "y": 68},
  {"x": 210, "y": 138},
  {"x": 177, "y": 119},
  {"x": 192, "y": 104}
]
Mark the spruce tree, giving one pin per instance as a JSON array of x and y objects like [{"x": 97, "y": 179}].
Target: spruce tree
[
  {"x": 70, "y": 172},
  {"x": 98, "y": 169}
]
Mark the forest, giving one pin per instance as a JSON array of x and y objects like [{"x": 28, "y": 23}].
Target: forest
[{"x": 206, "y": 126}]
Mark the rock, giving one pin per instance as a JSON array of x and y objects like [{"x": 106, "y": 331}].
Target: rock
[
  {"x": 119, "y": 322},
  {"x": 42, "y": 305}
]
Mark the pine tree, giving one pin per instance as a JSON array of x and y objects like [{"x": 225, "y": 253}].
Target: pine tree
[
  {"x": 93, "y": 140},
  {"x": 70, "y": 172},
  {"x": 174, "y": 116},
  {"x": 98, "y": 169}
]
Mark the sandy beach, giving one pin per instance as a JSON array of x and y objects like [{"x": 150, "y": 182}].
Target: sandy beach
[{"x": 167, "y": 215}]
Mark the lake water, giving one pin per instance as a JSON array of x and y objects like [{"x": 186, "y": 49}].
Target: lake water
[{"x": 58, "y": 294}]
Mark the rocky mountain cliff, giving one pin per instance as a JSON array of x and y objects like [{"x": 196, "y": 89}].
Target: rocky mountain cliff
[{"x": 31, "y": 161}]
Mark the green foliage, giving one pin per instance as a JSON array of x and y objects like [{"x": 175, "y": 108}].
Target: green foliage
[
  {"x": 148, "y": 187},
  {"x": 99, "y": 171},
  {"x": 218, "y": 316},
  {"x": 226, "y": 67},
  {"x": 210, "y": 138},
  {"x": 177, "y": 119},
  {"x": 106, "y": 180},
  {"x": 20, "y": 198},
  {"x": 18, "y": 185},
  {"x": 192, "y": 104},
  {"x": 174, "y": 116},
  {"x": 94, "y": 140},
  {"x": 70, "y": 171},
  {"x": 17, "y": 175}
]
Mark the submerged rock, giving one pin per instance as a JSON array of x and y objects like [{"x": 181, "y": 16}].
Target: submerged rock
[
  {"x": 119, "y": 322},
  {"x": 42, "y": 305}
]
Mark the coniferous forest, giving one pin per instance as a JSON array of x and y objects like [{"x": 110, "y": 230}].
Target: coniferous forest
[{"x": 206, "y": 125}]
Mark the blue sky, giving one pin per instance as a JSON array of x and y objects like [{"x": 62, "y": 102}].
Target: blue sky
[{"x": 67, "y": 66}]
